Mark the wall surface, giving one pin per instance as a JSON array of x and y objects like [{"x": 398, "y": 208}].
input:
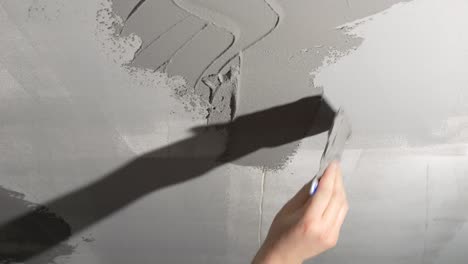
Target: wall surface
[{"x": 98, "y": 101}]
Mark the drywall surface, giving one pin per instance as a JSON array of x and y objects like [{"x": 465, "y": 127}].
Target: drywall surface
[
  {"x": 113, "y": 117},
  {"x": 406, "y": 205}
]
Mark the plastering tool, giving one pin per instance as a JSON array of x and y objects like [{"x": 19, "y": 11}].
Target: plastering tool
[{"x": 339, "y": 133}]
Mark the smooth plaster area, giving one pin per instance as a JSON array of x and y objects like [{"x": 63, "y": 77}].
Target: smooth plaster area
[
  {"x": 94, "y": 129},
  {"x": 426, "y": 73}
]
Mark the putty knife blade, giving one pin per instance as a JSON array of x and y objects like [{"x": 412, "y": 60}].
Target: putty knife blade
[{"x": 339, "y": 133}]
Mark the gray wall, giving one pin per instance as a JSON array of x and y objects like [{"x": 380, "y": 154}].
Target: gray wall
[{"x": 88, "y": 86}]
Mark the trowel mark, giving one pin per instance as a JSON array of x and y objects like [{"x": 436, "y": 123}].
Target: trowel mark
[
  {"x": 270, "y": 5},
  {"x": 32, "y": 234},
  {"x": 144, "y": 47},
  {"x": 178, "y": 48},
  {"x": 232, "y": 88},
  {"x": 210, "y": 52},
  {"x": 134, "y": 10},
  {"x": 243, "y": 38},
  {"x": 180, "y": 4},
  {"x": 171, "y": 57},
  {"x": 237, "y": 48}
]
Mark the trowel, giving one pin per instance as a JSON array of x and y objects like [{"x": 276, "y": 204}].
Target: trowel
[{"x": 338, "y": 134}]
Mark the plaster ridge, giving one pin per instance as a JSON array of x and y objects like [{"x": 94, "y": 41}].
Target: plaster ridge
[
  {"x": 142, "y": 48},
  {"x": 275, "y": 26},
  {"x": 185, "y": 44}
]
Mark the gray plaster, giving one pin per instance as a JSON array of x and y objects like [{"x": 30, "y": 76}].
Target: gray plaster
[
  {"x": 198, "y": 39},
  {"x": 274, "y": 65},
  {"x": 411, "y": 111}
]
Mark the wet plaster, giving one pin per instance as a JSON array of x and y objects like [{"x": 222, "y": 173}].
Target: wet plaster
[
  {"x": 275, "y": 68},
  {"x": 239, "y": 26},
  {"x": 275, "y": 52},
  {"x": 197, "y": 40},
  {"x": 407, "y": 97}
]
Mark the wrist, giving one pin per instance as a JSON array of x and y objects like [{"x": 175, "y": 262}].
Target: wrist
[{"x": 271, "y": 255}]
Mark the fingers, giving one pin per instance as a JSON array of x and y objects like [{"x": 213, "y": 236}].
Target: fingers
[
  {"x": 335, "y": 230},
  {"x": 336, "y": 211},
  {"x": 337, "y": 201},
  {"x": 316, "y": 205}
]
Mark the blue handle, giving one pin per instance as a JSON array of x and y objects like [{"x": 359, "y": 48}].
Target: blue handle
[{"x": 314, "y": 186}]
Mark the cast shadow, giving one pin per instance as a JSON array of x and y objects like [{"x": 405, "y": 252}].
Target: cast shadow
[{"x": 210, "y": 146}]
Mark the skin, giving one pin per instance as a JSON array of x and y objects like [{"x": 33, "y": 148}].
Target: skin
[{"x": 307, "y": 226}]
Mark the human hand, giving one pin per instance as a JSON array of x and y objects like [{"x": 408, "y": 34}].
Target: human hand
[{"x": 307, "y": 225}]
